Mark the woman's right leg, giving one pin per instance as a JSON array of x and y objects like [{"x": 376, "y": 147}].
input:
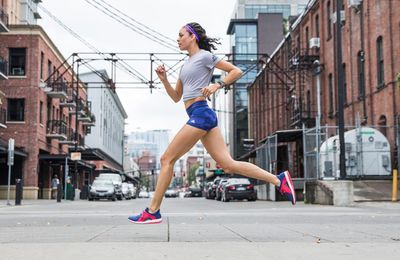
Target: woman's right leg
[{"x": 184, "y": 140}]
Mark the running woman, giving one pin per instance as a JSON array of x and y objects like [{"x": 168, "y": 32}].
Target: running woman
[{"x": 193, "y": 86}]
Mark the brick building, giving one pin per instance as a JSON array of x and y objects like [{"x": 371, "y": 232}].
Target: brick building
[
  {"x": 42, "y": 98},
  {"x": 284, "y": 95}
]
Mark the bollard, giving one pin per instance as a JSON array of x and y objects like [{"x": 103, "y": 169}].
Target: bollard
[
  {"x": 394, "y": 187},
  {"x": 18, "y": 191},
  {"x": 59, "y": 192}
]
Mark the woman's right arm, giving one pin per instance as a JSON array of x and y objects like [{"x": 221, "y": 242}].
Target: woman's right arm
[{"x": 174, "y": 93}]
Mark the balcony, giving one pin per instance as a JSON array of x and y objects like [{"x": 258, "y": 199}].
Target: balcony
[
  {"x": 57, "y": 89},
  {"x": 70, "y": 101},
  {"x": 70, "y": 137},
  {"x": 3, "y": 117},
  {"x": 81, "y": 109},
  {"x": 3, "y": 69},
  {"x": 3, "y": 20},
  {"x": 80, "y": 144},
  {"x": 303, "y": 59},
  {"x": 56, "y": 129}
]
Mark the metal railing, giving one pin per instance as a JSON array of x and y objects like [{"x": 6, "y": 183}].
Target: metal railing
[{"x": 57, "y": 127}]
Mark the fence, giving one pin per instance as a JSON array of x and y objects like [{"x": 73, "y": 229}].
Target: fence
[{"x": 367, "y": 153}]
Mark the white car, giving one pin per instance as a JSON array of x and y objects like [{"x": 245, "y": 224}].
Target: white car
[
  {"x": 126, "y": 191},
  {"x": 144, "y": 194},
  {"x": 132, "y": 189}
]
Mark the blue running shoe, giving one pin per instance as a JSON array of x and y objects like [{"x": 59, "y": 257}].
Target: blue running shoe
[
  {"x": 286, "y": 188},
  {"x": 146, "y": 217}
]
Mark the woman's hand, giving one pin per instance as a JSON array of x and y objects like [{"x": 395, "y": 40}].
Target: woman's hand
[
  {"x": 161, "y": 73},
  {"x": 209, "y": 90}
]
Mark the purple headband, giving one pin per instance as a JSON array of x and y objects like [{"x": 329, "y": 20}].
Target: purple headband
[{"x": 190, "y": 29}]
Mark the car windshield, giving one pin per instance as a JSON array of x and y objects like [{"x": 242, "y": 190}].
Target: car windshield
[
  {"x": 102, "y": 183},
  {"x": 239, "y": 181}
]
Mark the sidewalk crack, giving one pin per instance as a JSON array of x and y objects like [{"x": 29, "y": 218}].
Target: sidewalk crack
[
  {"x": 236, "y": 233},
  {"x": 101, "y": 233}
]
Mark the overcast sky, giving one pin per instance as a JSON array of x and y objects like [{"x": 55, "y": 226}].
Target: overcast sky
[{"x": 145, "y": 110}]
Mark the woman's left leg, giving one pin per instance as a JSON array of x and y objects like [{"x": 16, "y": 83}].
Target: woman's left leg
[{"x": 216, "y": 147}]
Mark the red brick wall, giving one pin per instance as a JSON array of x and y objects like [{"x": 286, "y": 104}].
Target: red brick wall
[{"x": 380, "y": 19}]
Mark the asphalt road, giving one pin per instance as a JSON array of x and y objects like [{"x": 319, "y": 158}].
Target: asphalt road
[{"x": 197, "y": 228}]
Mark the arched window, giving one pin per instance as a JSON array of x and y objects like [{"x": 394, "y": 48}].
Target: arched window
[{"x": 382, "y": 124}]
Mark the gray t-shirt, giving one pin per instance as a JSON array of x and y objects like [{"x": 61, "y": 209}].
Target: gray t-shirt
[{"x": 196, "y": 73}]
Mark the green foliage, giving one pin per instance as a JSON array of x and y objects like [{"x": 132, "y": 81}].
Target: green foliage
[{"x": 192, "y": 174}]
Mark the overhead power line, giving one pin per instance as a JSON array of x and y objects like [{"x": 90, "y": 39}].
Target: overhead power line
[
  {"x": 141, "y": 24},
  {"x": 131, "y": 26}
]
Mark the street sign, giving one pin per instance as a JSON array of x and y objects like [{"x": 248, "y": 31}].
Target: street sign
[
  {"x": 76, "y": 156},
  {"x": 10, "y": 152}
]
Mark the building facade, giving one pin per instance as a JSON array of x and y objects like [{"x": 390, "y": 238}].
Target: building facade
[
  {"x": 43, "y": 98},
  {"x": 107, "y": 134},
  {"x": 284, "y": 95}
]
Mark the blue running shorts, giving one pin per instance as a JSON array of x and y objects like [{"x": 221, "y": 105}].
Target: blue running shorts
[{"x": 201, "y": 116}]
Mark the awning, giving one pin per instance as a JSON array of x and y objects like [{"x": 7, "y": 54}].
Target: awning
[
  {"x": 60, "y": 158},
  {"x": 286, "y": 136},
  {"x": 283, "y": 136},
  {"x": 17, "y": 151}
]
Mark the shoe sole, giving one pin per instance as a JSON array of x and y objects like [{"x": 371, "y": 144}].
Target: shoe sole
[
  {"x": 155, "y": 221},
  {"x": 290, "y": 183}
]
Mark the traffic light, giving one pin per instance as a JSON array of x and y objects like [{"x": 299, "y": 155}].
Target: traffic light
[{"x": 219, "y": 171}]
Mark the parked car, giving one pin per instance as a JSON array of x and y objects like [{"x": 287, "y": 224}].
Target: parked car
[
  {"x": 132, "y": 188},
  {"x": 195, "y": 191},
  {"x": 117, "y": 181},
  {"x": 171, "y": 193},
  {"x": 126, "y": 192},
  {"x": 102, "y": 189},
  {"x": 238, "y": 188},
  {"x": 213, "y": 188},
  {"x": 208, "y": 190},
  {"x": 144, "y": 194},
  {"x": 218, "y": 190}
]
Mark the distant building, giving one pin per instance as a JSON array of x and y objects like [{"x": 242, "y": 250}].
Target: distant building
[{"x": 106, "y": 136}]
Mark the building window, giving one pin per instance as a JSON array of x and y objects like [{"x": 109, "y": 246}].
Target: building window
[
  {"x": 380, "y": 63},
  {"x": 344, "y": 85},
  {"x": 41, "y": 112},
  {"x": 330, "y": 84},
  {"x": 15, "y": 109},
  {"x": 307, "y": 39},
  {"x": 308, "y": 104},
  {"x": 49, "y": 66},
  {"x": 329, "y": 20},
  {"x": 17, "y": 61},
  {"x": 361, "y": 74},
  {"x": 41, "y": 64},
  {"x": 317, "y": 26}
]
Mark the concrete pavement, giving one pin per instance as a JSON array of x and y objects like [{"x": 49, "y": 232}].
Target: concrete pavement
[{"x": 199, "y": 229}]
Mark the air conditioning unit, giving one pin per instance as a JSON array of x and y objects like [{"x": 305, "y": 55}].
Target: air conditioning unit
[
  {"x": 314, "y": 42},
  {"x": 342, "y": 16},
  {"x": 354, "y": 3}
]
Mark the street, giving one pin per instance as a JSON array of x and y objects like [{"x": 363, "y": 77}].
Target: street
[{"x": 199, "y": 229}]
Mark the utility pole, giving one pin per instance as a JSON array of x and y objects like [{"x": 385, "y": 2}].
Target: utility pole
[{"x": 340, "y": 80}]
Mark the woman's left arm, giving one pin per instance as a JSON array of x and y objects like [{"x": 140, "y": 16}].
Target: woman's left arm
[{"x": 234, "y": 73}]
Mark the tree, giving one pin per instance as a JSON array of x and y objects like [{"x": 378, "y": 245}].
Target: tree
[{"x": 192, "y": 173}]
